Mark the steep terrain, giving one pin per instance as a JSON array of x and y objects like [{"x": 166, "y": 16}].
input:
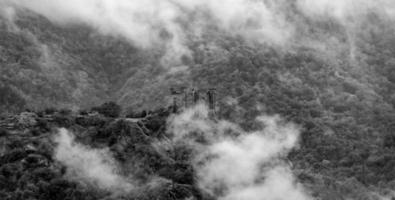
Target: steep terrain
[
  {"x": 334, "y": 81},
  {"x": 29, "y": 169},
  {"x": 44, "y": 65},
  {"x": 32, "y": 165}
]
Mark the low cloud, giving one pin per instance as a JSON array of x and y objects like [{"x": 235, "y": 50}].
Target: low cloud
[
  {"x": 349, "y": 13},
  {"x": 167, "y": 24},
  {"x": 172, "y": 26},
  {"x": 234, "y": 164},
  {"x": 95, "y": 167}
]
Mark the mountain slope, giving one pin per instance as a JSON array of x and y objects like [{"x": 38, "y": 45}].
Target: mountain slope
[{"x": 335, "y": 81}]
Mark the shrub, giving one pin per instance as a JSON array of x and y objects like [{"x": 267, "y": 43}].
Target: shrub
[
  {"x": 65, "y": 111},
  {"x": 109, "y": 109},
  {"x": 83, "y": 112},
  {"x": 63, "y": 120},
  {"x": 3, "y": 132},
  {"x": 43, "y": 125},
  {"x": 50, "y": 111},
  {"x": 132, "y": 114},
  {"x": 155, "y": 123},
  {"x": 90, "y": 121}
]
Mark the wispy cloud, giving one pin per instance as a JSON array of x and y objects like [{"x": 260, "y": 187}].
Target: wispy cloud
[
  {"x": 92, "y": 166},
  {"x": 235, "y": 164}
]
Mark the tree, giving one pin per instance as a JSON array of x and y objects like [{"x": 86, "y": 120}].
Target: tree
[
  {"x": 3, "y": 132},
  {"x": 109, "y": 109}
]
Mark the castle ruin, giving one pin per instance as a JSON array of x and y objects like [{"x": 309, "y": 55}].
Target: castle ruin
[{"x": 184, "y": 97}]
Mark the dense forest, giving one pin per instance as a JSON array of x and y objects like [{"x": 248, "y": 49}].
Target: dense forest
[
  {"x": 327, "y": 165},
  {"x": 334, "y": 78},
  {"x": 29, "y": 170}
]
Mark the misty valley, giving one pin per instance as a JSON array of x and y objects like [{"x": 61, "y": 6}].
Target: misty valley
[{"x": 197, "y": 100}]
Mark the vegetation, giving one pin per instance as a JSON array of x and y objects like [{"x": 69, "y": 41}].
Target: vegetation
[
  {"x": 109, "y": 109},
  {"x": 27, "y": 170},
  {"x": 324, "y": 163},
  {"x": 342, "y": 97}
]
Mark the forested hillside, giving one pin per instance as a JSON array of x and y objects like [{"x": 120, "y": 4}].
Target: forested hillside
[
  {"x": 144, "y": 158},
  {"x": 334, "y": 77}
]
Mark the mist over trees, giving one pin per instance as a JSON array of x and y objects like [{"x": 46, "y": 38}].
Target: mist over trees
[{"x": 326, "y": 66}]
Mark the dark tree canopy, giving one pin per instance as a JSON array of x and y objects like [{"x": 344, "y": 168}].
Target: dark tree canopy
[{"x": 109, "y": 109}]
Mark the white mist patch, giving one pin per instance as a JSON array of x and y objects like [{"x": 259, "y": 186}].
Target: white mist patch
[
  {"x": 171, "y": 27},
  {"x": 168, "y": 24},
  {"x": 346, "y": 10},
  {"x": 233, "y": 164},
  {"x": 92, "y": 166}
]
